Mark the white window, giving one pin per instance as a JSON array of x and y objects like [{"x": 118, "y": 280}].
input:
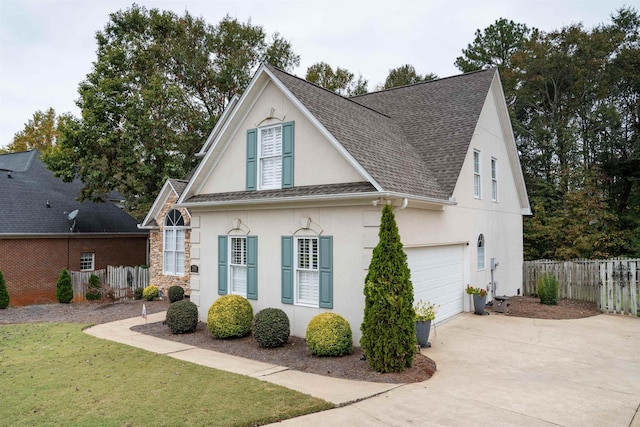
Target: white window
[
  {"x": 494, "y": 180},
  {"x": 238, "y": 265},
  {"x": 87, "y": 261},
  {"x": 307, "y": 276},
  {"x": 173, "y": 247},
  {"x": 481, "y": 252},
  {"x": 270, "y": 144},
  {"x": 477, "y": 190}
]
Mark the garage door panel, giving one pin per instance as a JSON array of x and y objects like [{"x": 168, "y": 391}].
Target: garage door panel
[{"x": 438, "y": 277}]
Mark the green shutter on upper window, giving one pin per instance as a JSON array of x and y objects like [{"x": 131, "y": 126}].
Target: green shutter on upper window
[
  {"x": 287, "y": 270},
  {"x": 326, "y": 271},
  {"x": 252, "y": 267},
  {"x": 223, "y": 266},
  {"x": 288, "y": 137},
  {"x": 252, "y": 159}
]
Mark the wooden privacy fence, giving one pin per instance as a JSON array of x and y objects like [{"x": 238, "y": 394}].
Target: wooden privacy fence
[
  {"x": 614, "y": 284},
  {"x": 121, "y": 280}
]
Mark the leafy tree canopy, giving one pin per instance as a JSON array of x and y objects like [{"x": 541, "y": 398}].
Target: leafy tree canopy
[
  {"x": 157, "y": 87},
  {"x": 494, "y": 46},
  {"x": 340, "y": 81},
  {"x": 405, "y": 75},
  {"x": 39, "y": 133}
]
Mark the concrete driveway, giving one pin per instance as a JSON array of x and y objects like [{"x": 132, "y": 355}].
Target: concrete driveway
[{"x": 500, "y": 370}]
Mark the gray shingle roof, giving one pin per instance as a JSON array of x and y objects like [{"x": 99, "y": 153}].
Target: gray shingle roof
[
  {"x": 438, "y": 118},
  {"x": 24, "y": 196},
  {"x": 179, "y": 185},
  {"x": 284, "y": 193},
  {"x": 411, "y": 139}
]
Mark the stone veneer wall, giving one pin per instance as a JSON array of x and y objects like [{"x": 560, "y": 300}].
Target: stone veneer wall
[{"x": 164, "y": 282}]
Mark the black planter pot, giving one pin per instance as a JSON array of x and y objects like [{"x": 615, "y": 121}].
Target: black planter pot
[
  {"x": 422, "y": 332},
  {"x": 478, "y": 304}
]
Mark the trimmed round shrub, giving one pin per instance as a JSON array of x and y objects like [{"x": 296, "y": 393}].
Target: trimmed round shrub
[
  {"x": 150, "y": 292},
  {"x": 64, "y": 289},
  {"x": 329, "y": 334},
  {"x": 182, "y": 317},
  {"x": 4, "y": 294},
  {"x": 93, "y": 290},
  {"x": 271, "y": 327},
  {"x": 176, "y": 293},
  {"x": 230, "y": 316},
  {"x": 137, "y": 293},
  {"x": 547, "y": 287}
]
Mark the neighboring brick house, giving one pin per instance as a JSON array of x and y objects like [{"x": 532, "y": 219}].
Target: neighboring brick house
[
  {"x": 169, "y": 238},
  {"x": 44, "y": 229}
]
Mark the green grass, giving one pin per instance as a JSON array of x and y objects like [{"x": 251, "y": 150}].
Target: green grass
[{"x": 54, "y": 374}]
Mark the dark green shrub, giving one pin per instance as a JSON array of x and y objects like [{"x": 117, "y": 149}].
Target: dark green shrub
[
  {"x": 182, "y": 316},
  {"x": 547, "y": 287},
  {"x": 230, "y": 316},
  {"x": 150, "y": 292},
  {"x": 64, "y": 290},
  {"x": 4, "y": 294},
  {"x": 137, "y": 293},
  {"x": 93, "y": 290},
  {"x": 176, "y": 293},
  {"x": 329, "y": 334},
  {"x": 271, "y": 327},
  {"x": 388, "y": 329}
]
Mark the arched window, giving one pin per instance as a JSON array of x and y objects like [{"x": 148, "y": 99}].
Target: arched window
[
  {"x": 480, "y": 252},
  {"x": 173, "y": 247}
]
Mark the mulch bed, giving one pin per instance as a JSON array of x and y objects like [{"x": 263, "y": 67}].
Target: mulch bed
[{"x": 294, "y": 354}]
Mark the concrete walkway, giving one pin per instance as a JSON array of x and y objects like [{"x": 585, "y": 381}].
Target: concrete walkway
[
  {"x": 337, "y": 391},
  {"x": 507, "y": 371},
  {"x": 491, "y": 370}
]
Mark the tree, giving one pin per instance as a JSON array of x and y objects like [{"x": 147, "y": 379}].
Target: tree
[
  {"x": 405, "y": 75},
  {"x": 4, "y": 295},
  {"x": 388, "y": 329},
  {"x": 157, "y": 88},
  {"x": 340, "y": 81},
  {"x": 39, "y": 133},
  {"x": 64, "y": 290},
  {"x": 494, "y": 46}
]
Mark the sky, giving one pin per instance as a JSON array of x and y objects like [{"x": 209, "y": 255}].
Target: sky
[{"x": 47, "y": 47}]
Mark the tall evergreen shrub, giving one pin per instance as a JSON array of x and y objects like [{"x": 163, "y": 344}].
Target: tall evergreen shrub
[
  {"x": 389, "y": 329},
  {"x": 64, "y": 290},
  {"x": 4, "y": 295}
]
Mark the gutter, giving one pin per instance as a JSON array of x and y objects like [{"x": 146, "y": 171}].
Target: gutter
[{"x": 329, "y": 197}]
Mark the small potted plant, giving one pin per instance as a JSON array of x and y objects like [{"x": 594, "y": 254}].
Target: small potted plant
[
  {"x": 425, "y": 313},
  {"x": 479, "y": 299}
]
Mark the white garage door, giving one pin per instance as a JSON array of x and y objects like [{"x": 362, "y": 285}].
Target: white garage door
[{"x": 438, "y": 277}]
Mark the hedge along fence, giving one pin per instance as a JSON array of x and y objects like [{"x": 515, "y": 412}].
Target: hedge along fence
[
  {"x": 614, "y": 284},
  {"x": 122, "y": 280}
]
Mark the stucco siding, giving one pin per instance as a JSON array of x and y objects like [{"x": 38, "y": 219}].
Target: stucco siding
[{"x": 316, "y": 161}]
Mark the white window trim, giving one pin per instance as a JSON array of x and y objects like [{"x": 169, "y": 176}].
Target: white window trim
[
  {"x": 494, "y": 179},
  {"x": 93, "y": 261},
  {"x": 477, "y": 175},
  {"x": 278, "y": 184},
  {"x": 175, "y": 251},
  {"x": 230, "y": 288},
  {"x": 297, "y": 268},
  {"x": 484, "y": 253}
]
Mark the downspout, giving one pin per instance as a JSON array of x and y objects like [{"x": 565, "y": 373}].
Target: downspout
[{"x": 404, "y": 204}]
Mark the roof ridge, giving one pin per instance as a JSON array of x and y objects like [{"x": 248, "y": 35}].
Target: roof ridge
[
  {"x": 425, "y": 82},
  {"x": 327, "y": 90}
]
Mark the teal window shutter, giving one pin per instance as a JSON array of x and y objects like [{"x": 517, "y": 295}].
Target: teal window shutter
[
  {"x": 252, "y": 267},
  {"x": 252, "y": 159},
  {"x": 223, "y": 266},
  {"x": 326, "y": 271},
  {"x": 287, "y": 154},
  {"x": 287, "y": 270}
]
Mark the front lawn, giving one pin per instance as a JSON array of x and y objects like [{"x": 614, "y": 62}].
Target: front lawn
[{"x": 54, "y": 374}]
